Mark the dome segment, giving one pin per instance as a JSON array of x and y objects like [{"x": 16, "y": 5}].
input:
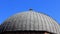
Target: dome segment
[{"x": 30, "y": 21}]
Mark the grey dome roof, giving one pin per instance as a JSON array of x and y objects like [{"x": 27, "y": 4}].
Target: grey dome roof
[{"x": 30, "y": 20}]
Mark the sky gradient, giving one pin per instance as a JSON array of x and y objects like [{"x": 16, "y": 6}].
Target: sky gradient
[{"x": 10, "y": 7}]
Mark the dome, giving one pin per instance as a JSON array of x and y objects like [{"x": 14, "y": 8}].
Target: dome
[{"x": 30, "y": 21}]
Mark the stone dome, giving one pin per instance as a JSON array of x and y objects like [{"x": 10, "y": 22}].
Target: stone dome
[{"x": 30, "y": 21}]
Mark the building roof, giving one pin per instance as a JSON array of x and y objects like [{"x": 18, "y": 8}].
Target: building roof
[{"x": 30, "y": 20}]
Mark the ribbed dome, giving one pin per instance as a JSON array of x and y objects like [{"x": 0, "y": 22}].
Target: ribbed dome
[{"x": 30, "y": 20}]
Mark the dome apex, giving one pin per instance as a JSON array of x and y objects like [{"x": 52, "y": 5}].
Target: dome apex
[{"x": 30, "y": 9}]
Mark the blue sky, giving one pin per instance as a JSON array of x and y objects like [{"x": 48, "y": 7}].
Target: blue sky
[{"x": 10, "y": 7}]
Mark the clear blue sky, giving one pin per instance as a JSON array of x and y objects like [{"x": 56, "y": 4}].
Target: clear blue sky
[{"x": 10, "y": 7}]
